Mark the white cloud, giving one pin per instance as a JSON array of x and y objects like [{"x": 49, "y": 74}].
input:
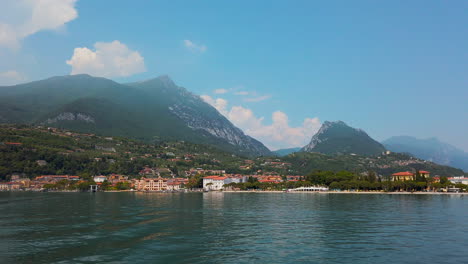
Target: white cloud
[
  {"x": 11, "y": 78},
  {"x": 221, "y": 91},
  {"x": 194, "y": 47},
  {"x": 219, "y": 103},
  {"x": 278, "y": 134},
  {"x": 109, "y": 59},
  {"x": 22, "y": 18},
  {"x": 257, "y": 98}
]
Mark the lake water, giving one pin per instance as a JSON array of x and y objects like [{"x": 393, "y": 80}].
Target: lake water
[{"x": 232, "y": 228}]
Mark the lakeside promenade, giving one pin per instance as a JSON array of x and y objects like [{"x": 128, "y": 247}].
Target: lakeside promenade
[{"x": 349, "y": 192}]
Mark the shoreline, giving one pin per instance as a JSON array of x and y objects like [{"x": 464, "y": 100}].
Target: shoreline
[
  {"x": 347, "y": 192},
  {"x": 311, "y": 192}
]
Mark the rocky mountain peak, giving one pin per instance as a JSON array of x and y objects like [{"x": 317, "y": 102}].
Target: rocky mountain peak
[{"x": 336, "y": 137}]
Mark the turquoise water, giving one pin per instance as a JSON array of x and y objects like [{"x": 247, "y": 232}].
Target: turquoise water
[{"x": 232, "y": 228}]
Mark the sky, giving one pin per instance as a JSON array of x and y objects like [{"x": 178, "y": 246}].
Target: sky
[{"x": 276, "y": 69}]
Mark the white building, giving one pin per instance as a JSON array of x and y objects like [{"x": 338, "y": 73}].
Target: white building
[
  {"x": 100, "y": 179},
  {"x": 458, "y": 179},
  {"x": 215, "y": 183},
  {"x": 310, "y": 189}
]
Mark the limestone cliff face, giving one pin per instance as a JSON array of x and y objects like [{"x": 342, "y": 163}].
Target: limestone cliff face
[
  {"x": 218, "y": 127},
  {"x": 198, "y": 115},
  {"x": 67, "y": 116},
  {"x": 151, "y": 110}
]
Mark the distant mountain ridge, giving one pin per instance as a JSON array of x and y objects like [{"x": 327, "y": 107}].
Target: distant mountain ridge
[
  {"x": 285, "y": 152},
  {"x": 151, "y": 110},
  {"x": 430, "y": 149},
  {"x": 339, "y": 138}
]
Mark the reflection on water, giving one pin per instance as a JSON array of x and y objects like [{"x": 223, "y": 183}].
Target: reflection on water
[{"x": 232, "y": 228}]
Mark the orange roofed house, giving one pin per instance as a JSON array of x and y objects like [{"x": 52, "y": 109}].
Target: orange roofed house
[{"x": 409, "y": 176}]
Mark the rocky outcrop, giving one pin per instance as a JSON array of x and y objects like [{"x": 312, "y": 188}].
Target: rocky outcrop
[{"x": 68, "y": 116}]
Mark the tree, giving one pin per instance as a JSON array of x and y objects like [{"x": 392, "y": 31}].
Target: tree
[
  {"x": 444, "y": 180},
  {"x": 335, "y": 186},
  {"x": 371, "y": 176},
  {"x": 49, "y": 186},
  {"x": 85, "y": 186},
  {"x": 122, "y": 186},
  {"x": 252, "y": 179},
  {"x": 106, "y": 185},
  {"x": 195, "y": 182}
]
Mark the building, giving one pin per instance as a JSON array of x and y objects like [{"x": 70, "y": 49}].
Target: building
[
  {"x": 41, "y": 162},
  {"x": 151, "y": 184},
  {"x": 409, "y": 176},
  {"x": 24, "y": 182},
  {"x": 458, "y": 179},
  {"x": 55, "y": 178},
  {"x": 200, "y": 171},
  {"x": 424, "y": 174},
  {"x": 237, "y": 178},
  {"x": 215, "y": 183},
  {"x": 13, "y": 143},
  {"x": 176, "y": 184},
  {"x": 310, "y": 189},
  {"x": 100, "y": 179},
  {"x": 269, "y": 178},
  {"x": 116, "y": 178},
  {"x": 403, "y": 176},
  {"x": 293, "y": 178},
  {"x": 9, "y": 186}
]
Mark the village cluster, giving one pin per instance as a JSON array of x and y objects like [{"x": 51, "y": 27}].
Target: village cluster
[
  {"x": 117, "y": 164},
  {"x": 164, "y": 180}
]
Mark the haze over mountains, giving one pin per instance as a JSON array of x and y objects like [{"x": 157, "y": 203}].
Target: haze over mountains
[
  {"x": 430, "y": 149},
  {"x": 157, "y": 110},
  {"x": 151, "y": 110},
  {"x": 285, "y": 152},
  {"x": 339, "y": 138}
]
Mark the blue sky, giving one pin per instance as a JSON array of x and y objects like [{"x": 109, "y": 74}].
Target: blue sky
[{"x": 388, "y": 67}]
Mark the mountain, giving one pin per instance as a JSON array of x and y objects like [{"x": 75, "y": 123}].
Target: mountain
[
  {"x": 303, "y": 163},
  {"x": 73, "y": 153},
  {"x": 151, "y": 110},
  {"x": 339, "y": 138},
  {"x": 285, "y": 152},
  {"x": 429, "y": 149}
]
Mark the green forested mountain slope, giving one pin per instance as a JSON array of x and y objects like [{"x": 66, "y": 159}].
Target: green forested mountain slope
[
  {"x": 339, "y": 138},
  {"x": 152, "y": 110}
]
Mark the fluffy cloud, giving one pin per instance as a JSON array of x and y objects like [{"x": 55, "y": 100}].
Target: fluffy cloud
[
  {"x": 11, "y": 78},
  {"x": 22, "y": 18},
  {"x": 219, "y": 103},
  {"x": 109, "y": 59},
  {"x": 194, "y": 47},
  {"x": 278, "y": 134}
]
